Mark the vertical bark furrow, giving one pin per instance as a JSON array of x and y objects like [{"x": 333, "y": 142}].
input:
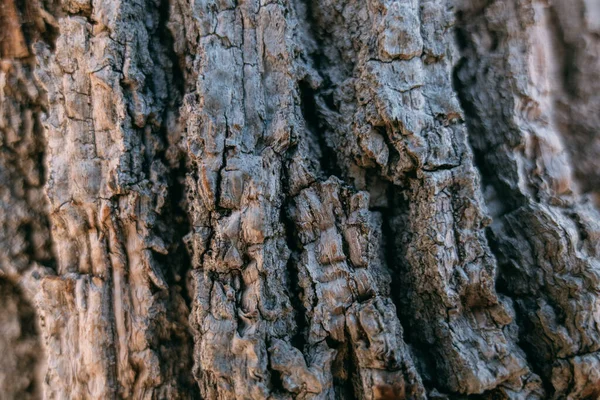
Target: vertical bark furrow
[
  {"x": 391, "y": 110},
  {"x": 113, "y": 319},
  {"x": 545, "y": 233}
]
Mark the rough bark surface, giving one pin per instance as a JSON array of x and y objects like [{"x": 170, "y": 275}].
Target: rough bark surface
[
  {"x": 545, "y": 225},
  {"x": 299, "y": 199}
]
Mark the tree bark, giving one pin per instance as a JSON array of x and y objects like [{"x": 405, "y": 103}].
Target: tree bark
[{"x": 300, "y": 199}]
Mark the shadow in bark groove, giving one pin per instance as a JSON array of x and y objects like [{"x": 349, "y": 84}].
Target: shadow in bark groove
[
  {"x": 294, "y": 245},
  {"x": 177, "y": 222},
  {"x": 314, "y": 124}
]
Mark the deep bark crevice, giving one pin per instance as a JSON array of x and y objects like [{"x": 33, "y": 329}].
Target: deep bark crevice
[
  {"x": 501, "y": 194},
  {"x": 177, "y": 223},
  {"x": 504, "y": 275},
  {"x": 173, "y": 158},
  {"x": 314, "y": 124},
  {"x": 295, "y": 291}
]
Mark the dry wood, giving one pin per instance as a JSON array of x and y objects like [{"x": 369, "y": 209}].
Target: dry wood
[{"x": 299, "y": 199}]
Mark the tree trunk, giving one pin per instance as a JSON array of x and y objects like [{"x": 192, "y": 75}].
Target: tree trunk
[{"x": 300, "y": 199}]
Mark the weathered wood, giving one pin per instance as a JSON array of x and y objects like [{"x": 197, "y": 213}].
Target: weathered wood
[
  {"x": 114, "y": 319},
  {"x": 312, "y": 199}
]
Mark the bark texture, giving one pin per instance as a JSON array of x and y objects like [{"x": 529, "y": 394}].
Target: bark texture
[
  {"x": 545, "y": 222},
  {"x": 300, "y": 199}
]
